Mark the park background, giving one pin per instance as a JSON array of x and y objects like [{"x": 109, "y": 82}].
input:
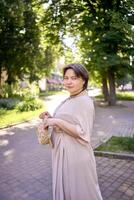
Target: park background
[{"x": 37, "y": 39}]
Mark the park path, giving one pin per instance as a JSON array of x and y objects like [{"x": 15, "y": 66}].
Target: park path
[
  {"x": 25, "y": 166},
  {"x": 113, "y": 121}
]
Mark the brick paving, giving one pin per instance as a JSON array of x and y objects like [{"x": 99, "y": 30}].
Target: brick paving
[
  {"x": 25, "y": 166},
  {"x": 116, "y": 178},
  {"x": 113, "y": 121}
]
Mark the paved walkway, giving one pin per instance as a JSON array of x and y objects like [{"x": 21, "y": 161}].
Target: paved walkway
[
  {"x": 25, "y": 166},
  {"x": 115, "y": 120}
]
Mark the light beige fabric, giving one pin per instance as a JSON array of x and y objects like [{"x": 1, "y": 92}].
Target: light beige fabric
[{"x": 73, "y": 162}]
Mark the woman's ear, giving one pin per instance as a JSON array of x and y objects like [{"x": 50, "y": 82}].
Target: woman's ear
[{"x": 83, "y": 82}]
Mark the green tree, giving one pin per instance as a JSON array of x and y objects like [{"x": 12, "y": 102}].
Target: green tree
[
  {"x": 103, "y": 30},
  {"x": 11, "y": 23},
  {"x": 109, "y": 45},
  {"x": 24, "y": 49}
]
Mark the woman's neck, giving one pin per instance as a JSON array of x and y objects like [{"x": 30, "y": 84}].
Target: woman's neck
[{"x": 77, "y": 94}]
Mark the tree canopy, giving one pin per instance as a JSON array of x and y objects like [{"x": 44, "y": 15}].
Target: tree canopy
[
  {"x": 24, "y": 47},
  {"x": 103, "y": 33},
  {"x": 32, "y": 35}
]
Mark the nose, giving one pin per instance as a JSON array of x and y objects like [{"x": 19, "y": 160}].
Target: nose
[{"x": 69, "y": 81}]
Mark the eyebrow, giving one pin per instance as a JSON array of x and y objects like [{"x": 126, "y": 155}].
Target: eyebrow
[{"x": 71, "y": 76}]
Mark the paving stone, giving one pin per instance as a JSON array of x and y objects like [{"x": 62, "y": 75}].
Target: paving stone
[{"x": 25, "y": 166}]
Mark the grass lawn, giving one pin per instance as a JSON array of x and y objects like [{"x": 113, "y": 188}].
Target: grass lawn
[
  {"x": 9, "y": 117},
  {"x": 127, "y": 95},
  {"x": 118, "y": 144},
  {"x": 121, "y": 95}
]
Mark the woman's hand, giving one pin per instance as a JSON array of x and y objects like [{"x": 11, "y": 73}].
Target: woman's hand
[
  {"x": 50, "y": 122},
  {"x": 45, "y": 115}
]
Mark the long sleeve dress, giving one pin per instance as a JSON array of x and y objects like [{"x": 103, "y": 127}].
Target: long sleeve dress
[{"x": 73, "y": 162}]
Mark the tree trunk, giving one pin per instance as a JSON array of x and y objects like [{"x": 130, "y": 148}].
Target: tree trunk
[
  {"x": 0, "y": 82},
  {"x": 112, "y": 94},
  {"x": 0, "y": 77},
  {"x": 132, "y": 85},
  {"x": 9, "y": 90},
  {"x": 9, "y": 82},
  {"x": 105, "y": 88}
]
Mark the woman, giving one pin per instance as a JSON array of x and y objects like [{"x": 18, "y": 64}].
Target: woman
[{"x": 73, "y": 162}]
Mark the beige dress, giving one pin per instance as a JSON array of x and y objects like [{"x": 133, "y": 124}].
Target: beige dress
[{"x": 73, "y": 163}]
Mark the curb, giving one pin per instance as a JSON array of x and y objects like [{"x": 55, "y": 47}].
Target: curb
[
  {"x": 17, "y": 123},
  {"x": 114, "y": 155}
]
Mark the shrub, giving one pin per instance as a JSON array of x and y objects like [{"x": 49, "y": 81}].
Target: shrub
[
  {"x": 31, "y": 91},
  {"x": 9, "y": 103},
  {"x": 18, "y": 90},
  {"x": 29, "y": 104},
  {"x": 4, "y": 91}
]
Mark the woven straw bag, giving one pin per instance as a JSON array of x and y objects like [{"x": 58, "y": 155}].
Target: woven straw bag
[{"x": 44, "y": 135}]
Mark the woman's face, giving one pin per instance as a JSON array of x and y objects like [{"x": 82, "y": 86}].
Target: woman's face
[{"x": 73, "y": 83}]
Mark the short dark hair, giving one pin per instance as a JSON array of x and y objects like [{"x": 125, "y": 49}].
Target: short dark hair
[{"x": 79, "y": 70}]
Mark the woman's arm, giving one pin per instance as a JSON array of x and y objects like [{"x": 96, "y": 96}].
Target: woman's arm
[{"x": 67, "y": 127}]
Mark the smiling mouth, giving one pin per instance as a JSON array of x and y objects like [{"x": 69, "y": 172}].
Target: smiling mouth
[{"x": 69, "y": 87}]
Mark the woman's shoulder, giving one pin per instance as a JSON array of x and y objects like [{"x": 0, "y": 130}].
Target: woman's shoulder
[
  {"x": 85, "y": 98},
  {"x": 83, "y": 101}
]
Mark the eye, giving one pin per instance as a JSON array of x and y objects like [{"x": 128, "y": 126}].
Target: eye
[
  {"x": 65, "y": 78},
  {"x": 74, "y": 78}
]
